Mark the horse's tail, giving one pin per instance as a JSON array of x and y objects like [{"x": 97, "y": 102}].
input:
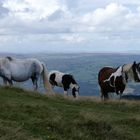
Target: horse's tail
[{"x": 46, "y": 79}]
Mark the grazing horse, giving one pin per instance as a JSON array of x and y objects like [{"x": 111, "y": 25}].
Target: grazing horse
[
  {"x": 115, "y": 79},
  {"x": 19, "y": 70},
  {"x": 64, "y": 80}
]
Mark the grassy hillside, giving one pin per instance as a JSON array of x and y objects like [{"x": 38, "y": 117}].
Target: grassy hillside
[{"x": 27, "y": 115}]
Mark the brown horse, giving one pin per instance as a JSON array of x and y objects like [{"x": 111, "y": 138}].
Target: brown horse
[{"x": 115, "y": 79}]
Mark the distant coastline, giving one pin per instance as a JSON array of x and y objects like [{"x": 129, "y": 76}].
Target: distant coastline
[{"x": 131, "y": 52}]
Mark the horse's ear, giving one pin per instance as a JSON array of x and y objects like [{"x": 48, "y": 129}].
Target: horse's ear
[{"x": 134, "y": 63}]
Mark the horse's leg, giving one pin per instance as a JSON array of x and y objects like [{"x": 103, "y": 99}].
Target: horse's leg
[
  {"x": 36, "y": 85},
  {"x": 120, "y": 95},
  {"x": 34, "y": 80},
  {"x": 5, "y": 82},
  {"x": 106, "y": 96},
  {"x": 65, "y": 91},
  {"x": 8, "y": 79},
  {"x": 10, "y": 82},
  {"x": 101, "y": 94},
  {"x": 121, "y": 92},
  {"x": 52, "y": 86}
]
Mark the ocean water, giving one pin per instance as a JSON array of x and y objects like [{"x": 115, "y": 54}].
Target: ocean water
[{"x": 84, "y": 67}]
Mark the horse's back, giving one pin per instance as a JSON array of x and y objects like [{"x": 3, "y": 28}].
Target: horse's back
[
  {"x": 27, "y": 63},
  {"x": 29, "y": 60},
  {"x": 56, "y": 73},
  {"x": 105, "y": 73},
  {"x": 61, "y": 77},
  {"x": 56, "y": 77},
  {"x": 22, "y": 69}
]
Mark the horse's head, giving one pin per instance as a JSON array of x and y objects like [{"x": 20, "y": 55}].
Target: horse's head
[
  {"x": 75, "y": 90},
  {"x": 74, "y": 86},
  {"x": 136, "y": 71}
]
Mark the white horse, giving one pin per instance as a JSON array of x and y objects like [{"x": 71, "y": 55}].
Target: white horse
[{"x": 20, "y": 70}]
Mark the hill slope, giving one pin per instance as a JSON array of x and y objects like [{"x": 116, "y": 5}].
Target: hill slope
[{"x": 31, "y": 116}]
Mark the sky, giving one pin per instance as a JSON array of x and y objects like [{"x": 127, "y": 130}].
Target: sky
[{"x": 28, "y": 26}]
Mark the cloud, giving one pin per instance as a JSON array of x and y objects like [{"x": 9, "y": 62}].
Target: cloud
[
  {"x": 69, "y": 21},
  {"x": 31, "y": 9},
  {"x": 75, "y": 38},
  {"x": 106, "y": 20},
  {"x": 113, "y": 21},
  {"x": 40, "y": 17},
  {"x": 3, "y": 11},
  {"x": 105, "y": 15}
]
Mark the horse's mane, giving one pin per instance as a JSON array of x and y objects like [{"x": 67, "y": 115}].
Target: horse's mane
[
  {"x": 9, "y": 58},
  {"x": 127, "y": 67}
]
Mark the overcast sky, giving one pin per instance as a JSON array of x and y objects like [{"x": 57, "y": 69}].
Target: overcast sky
[{"x": 69, "y": 25}]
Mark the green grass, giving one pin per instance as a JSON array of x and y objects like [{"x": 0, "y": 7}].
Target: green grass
[{"x": 26, "y": 115}]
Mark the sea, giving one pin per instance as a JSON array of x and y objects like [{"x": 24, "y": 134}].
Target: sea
[{"x": 83, "y": 66}]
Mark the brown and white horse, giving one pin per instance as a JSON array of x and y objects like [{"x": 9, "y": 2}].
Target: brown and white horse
[{"x": 115, "y": 79}]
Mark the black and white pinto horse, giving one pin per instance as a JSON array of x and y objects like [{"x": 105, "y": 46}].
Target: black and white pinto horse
[
  {"x": 64, "y": 80},
  {"x": 115, "y": 79},
  {"x": 20, "y": 70}
]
